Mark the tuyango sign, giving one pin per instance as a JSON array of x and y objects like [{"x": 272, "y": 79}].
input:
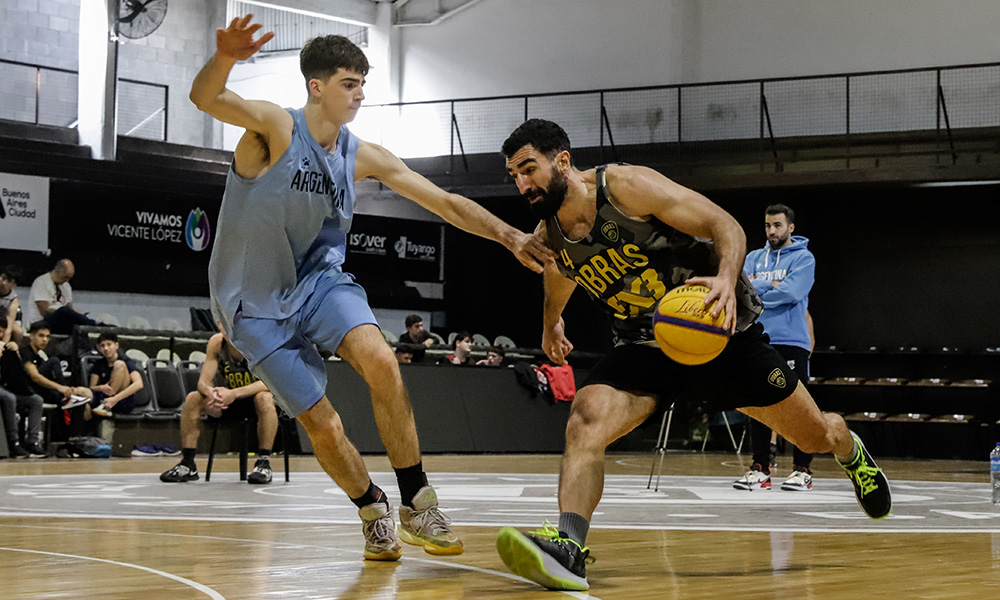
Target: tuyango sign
[
  {"x": 24, "y": 212},
  {"x": 407, "y": 249}
]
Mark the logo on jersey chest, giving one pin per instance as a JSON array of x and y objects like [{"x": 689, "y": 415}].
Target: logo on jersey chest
[
  {"x": 777, "y": 379},
  {"x": 610, "y": 231}
]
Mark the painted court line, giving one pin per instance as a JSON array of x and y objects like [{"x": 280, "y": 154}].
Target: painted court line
[
  {"x": 194, "y": 584},
  {"x": 440, "y": 563}
]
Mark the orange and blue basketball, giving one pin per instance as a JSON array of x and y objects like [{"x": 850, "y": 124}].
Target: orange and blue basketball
[{"x": 685, "y": 328}]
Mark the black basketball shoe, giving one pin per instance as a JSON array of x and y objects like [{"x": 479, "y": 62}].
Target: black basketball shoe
[
  {"x": 870, "y": 485},
  {"x": 545, "y": 557}
]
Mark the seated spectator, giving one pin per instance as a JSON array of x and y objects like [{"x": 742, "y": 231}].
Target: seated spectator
[
  {"x": 494, "y": 357},
  {"x": 415, "y": 333},
  {"x": 10, "y": 306},
  {"x": 16, "y": 398},
  {"x": 48, "y": 381},
  {"x": 114, "y": 380},
  {"x": 52, "y": 299},
  {"x": 462, "y": 353},
  {"x": 240, "y": 387},
  {"x": 404, "y": 354}
]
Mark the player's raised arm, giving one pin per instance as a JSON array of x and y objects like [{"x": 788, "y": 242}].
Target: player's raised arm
[
  {"x": 377, "y": 162},
  {"x": 209, "y": 92},
  {"x": 645, "y": 192}
]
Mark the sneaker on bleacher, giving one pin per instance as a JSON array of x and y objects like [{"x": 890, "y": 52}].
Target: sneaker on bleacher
[
  {"x": 102, "y": 411},
  {"x": 168, "y": 450},
  {"x": 74, "y": 401},
  {"x": 146, "y": 450}
]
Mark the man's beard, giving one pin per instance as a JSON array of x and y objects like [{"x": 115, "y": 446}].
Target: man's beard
[
  {"x": 551, "y": 199},
  {"x": 779, "y": 242}
]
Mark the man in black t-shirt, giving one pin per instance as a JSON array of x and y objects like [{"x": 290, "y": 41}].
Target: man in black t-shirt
[
  {"x": 416, "y": 339},
  {"x": 48, "y": 381},
  {"x": 114, "y": 380}
]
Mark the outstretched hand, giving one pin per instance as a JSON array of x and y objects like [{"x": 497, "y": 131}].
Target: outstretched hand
[
  {"x": 531, "y": 250},
  {"x": 723, "y": 294},
  {"x": 236, "y": 41}
]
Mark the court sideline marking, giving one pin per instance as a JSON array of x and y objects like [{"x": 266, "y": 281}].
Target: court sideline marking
[
  {"x": 194, "y": 584},
  {"x": 290, "y": 545}
]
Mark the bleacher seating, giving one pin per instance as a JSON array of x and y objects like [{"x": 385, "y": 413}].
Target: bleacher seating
[
  {"x": 190, "y": 371},
  {"x": 504, "y": 342},
  {"x": 137, "y": 322},
  {"x": 167, "y": 388}
]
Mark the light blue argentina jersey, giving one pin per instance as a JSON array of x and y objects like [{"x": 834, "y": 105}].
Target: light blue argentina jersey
[{"x": 279, "y": 232}]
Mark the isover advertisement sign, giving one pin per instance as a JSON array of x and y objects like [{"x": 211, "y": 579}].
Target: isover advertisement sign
[{"x": 24, "y": 212}]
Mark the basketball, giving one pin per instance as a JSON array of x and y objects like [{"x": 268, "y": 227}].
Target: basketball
[{"x": 685, "y": 328}]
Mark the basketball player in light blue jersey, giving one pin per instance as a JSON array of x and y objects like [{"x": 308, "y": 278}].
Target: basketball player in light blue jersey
[{"x": 275, "y": 276}]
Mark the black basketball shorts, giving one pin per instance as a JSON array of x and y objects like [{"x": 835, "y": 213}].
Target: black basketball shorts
[{"x": 749, "y": 372}]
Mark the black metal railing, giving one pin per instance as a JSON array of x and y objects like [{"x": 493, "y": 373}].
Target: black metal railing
[
  {"x": 48, "y": 96},
  {"x": 763, "y": 121}
]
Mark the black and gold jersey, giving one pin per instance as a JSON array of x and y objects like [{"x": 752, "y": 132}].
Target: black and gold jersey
[
  {"x": 627, "y": 265},
  {"x": 234, "y": 373}
]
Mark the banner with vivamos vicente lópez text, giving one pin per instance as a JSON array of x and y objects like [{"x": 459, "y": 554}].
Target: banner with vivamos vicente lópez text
[{"x": 24, "y": 212}]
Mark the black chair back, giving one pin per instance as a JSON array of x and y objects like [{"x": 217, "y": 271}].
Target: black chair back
[
  {"x": 167, "y": 387},
  {"x": 190, "y": 371}
]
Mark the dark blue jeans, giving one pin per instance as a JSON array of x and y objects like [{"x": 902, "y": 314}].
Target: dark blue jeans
[{"x": 63, "y": 319}]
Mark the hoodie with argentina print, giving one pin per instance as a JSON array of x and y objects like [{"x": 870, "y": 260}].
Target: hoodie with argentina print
[{"x": 785, "y": 304}]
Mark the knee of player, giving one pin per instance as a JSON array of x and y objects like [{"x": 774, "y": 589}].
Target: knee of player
[
  {"x": 264, "y": 401},
  {"x": 819, "y": 440},
  {"x": 119, "y": 365},
  {"x": 585, "y": 417},
  {"x": 194, "y": 398}
]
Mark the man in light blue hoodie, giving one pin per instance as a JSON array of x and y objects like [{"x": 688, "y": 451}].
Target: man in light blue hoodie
[{"x": 782, "y": 273}]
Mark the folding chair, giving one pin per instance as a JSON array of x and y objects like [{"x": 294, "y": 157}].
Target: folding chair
[
  {"x": 284, "y": 424},
  {"x": 738, "y": 448},
  {"x": 661, "y": 446}
]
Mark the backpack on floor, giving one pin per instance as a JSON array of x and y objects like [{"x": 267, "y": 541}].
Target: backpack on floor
[{"x": 86, "y": 447}]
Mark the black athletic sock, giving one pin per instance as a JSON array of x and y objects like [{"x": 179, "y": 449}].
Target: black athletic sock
[
  {"x": 410, "y": 480},
  {"x": 373, "y": 495},
  {"x": 264, "y": 454},
  {"x": 574, "y": 527},
  {"x": 187, "y": 458}
]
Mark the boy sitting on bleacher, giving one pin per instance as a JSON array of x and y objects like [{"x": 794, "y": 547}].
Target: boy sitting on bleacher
[
  {"x": 114, "y": 380},
  {"x": 240, "y": 387}
]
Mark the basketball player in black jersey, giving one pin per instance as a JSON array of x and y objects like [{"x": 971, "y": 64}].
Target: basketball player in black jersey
[
  {"x": 627, "y": 235},
  {"x": 238, "y": 390}
]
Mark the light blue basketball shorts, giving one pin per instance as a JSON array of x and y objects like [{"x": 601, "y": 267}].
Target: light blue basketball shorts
[{"x": 282, "y": 353}]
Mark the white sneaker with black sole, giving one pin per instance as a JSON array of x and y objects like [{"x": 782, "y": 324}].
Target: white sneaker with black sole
[
  {"x": 261, "y": 472},
  {"x": 754, "y": 479},
  {"x": 801, "y": 480}
]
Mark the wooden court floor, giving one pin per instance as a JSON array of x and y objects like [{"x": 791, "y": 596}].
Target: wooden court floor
[{"x": 109, "y": 530}]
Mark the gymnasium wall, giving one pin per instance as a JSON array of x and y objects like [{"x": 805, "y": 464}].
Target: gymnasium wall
[{"x": 526, "y": 46}]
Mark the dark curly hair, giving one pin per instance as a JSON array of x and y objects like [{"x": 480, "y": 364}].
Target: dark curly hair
[
  {"x": 545, "y": 136},
  {"x": 322, "y": 56}
]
